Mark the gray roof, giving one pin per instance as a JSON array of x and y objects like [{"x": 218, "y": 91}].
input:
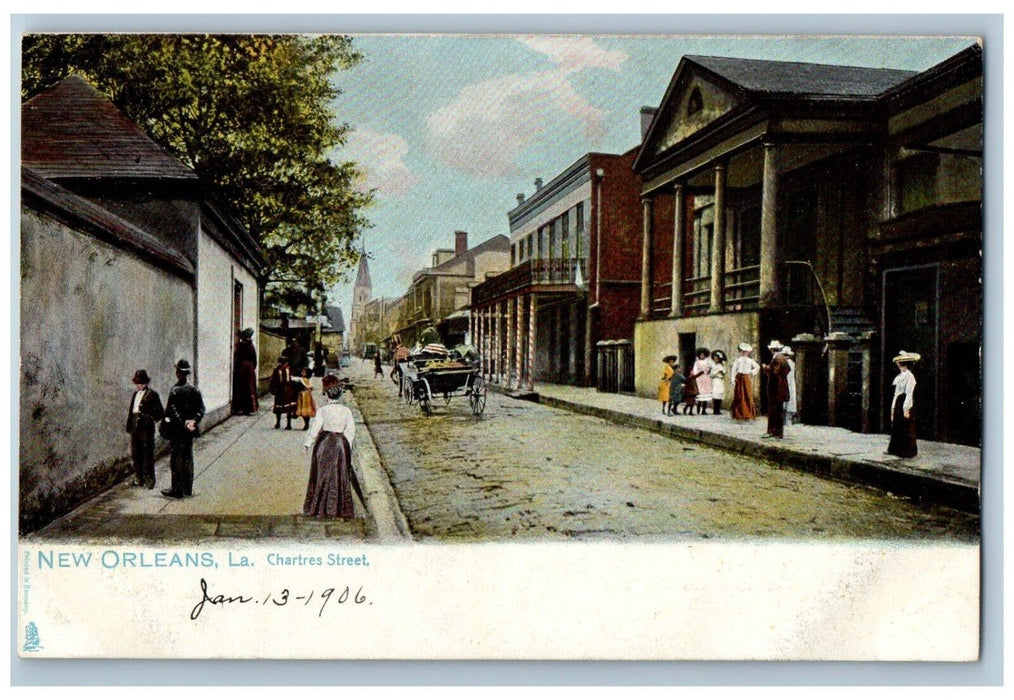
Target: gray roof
[
  {"x": 336, "y": 318},
  {"x": 498, "y": 242},
  {"x": 788, "y": 77},
  {"x": 72, "y": 130},
  {"x": 363, "y": 274}
]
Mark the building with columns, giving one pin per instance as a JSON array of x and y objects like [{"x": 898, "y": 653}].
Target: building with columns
[
  {"x": 788, "y": 180},
  {"x": 570, "y": 297}
]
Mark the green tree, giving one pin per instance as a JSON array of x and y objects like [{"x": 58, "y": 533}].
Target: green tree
[{"x": 253, "y": 116}]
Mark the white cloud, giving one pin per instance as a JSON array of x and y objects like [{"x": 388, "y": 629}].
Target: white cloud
[
  {"x": 492, "y": 122},
  {"x": 381, "y": 159},
  {"x": 575, "y": 53}
]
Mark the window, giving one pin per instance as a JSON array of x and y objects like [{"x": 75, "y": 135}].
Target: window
[
  {"x": 696, "y": 103},
  {"x": 565, "y": 237},
  {"x": 704, "y": 226},
  {"x": 917, "y": 175},
  {"x": 529, "y": 246},
  {"x": 746, "y": 248},
  {"x": 551, "y": 245},
  {"x": 514, "y": 255}
]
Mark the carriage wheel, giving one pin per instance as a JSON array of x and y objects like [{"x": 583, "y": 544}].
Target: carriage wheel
[
  {"x": 477, "y": 396},
  {"x": 426, "y": 406},
  {"x": 407, "y": 390}
]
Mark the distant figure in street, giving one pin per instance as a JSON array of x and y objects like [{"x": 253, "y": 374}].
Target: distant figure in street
[
  {"x": 183, "y": 413},
  {"x": 689, "y": 391},
  {"x": 778, "y": 390},
  {"x": 284, "y": 391},
  {"x": 717, "y": 381},
  {"x": 702, "y": 374},
  {"x": 144, "y": 415},
  {"x": 790, "y": 378},
  {"x": 903, "y": 425},
  {"x": 305, "y": 407},
  {"x": 244, "y": 375},
  {"x": 401, "y": 354},
  {"x": 378, "y": 370},
  {"x": 664, "y": 383},
  {"x": 330, "y": 438},
  {"x": 743, "y": 369},
  {"x": 676, "y": 388}
]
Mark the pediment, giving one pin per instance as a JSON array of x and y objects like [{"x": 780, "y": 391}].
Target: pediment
[{"x": 695, "y": 101}]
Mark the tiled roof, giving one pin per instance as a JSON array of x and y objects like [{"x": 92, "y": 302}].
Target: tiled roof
[
  {"x": 71, "y": 130},
  {"x": 785, "y": 77}
]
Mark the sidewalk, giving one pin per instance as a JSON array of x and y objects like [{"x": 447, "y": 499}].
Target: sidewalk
[
  {"x": 942, "y": 473},
  {"x": 249, "y": 483}
]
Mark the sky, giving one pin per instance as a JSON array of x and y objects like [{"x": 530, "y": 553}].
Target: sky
[{"x": 449, "y": 129}]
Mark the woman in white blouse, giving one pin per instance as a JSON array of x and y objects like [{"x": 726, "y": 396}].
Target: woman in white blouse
[
  {"x": 903, "y": 425},
  {"x": 329, "y": 440}
]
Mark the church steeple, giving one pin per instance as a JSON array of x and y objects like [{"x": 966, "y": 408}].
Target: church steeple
[{"x": 362, "y": 292}]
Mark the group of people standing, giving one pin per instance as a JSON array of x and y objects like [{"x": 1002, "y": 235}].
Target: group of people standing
[
  {"x": 702, "y": 384},
  {"x": 179, "y": 423}
]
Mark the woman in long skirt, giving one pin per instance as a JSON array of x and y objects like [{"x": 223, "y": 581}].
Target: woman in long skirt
[
  {"x": 331, "y": 435},
  {"x": 743, "y": 370},
  {"x": 702, "y": 374},
  {"x": 717, "y": 380},
  {"x": 663, "y": 385},
  {"x": 903, "y": 425}
]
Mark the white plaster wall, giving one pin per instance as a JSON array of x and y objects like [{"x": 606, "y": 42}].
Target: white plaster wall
[
  {"x": 215, "y": 337},
  {"x": 654, "y": 339},
  {"x": 91, "y": 314}
]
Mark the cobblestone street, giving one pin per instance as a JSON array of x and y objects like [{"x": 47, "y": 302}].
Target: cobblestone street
[{"x": 526, "y": 471}]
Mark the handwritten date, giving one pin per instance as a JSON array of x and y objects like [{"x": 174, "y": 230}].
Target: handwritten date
[{"x": 280, "y": 599}]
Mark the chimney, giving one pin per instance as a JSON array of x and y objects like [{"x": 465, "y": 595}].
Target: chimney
[
  {"x": 647, "y": 114},
  {"x": 521, "y": 198},
  {"x": 538, "y": 184},
  {"x": 460, "y": 242}
]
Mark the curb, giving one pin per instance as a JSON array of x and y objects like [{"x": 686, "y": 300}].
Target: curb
[
  {"x": 919, "y": 487},
  {"x": 382, "y": 503}
]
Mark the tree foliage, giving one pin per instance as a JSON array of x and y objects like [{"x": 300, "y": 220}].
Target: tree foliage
[{"x": 252, "y": 115}]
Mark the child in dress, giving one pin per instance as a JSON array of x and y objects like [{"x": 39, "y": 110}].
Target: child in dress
[
  {"x": 676, "y": 389},
  {"x": 305, "y": 407},
  {"x": 689, "y": 391}
]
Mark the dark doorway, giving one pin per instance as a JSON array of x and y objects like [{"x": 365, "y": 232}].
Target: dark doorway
[
  {"x": 910, "y": 324},
  {"x": 687, "y": 350}
]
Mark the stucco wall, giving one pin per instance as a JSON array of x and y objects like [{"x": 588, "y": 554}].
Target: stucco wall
[
  {"x": 91, "y": 314},
  {"x": 216, "y": 338},
  {"x": 653, "y": 339}
]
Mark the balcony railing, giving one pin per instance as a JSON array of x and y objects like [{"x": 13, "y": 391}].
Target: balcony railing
[
  {"x": 529, "y": 273},
  {"x": 742, "y": 288},
  {"x": 696, "y": 295}
]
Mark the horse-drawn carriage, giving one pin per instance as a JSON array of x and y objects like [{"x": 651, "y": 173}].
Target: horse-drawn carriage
[{"x": 433, "y": 372}]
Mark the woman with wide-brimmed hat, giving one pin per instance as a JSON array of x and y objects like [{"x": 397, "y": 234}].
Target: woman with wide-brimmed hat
[
  {"x": 329, "y": 441},
  {"x": 718, "y": 372},
  {"x": 701, "y": 373},
  {"x": 744, "y": 368},
  {"x": 903, "y": 425}
]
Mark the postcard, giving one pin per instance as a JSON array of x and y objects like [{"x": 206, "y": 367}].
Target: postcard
[{"x": 500, "y": 346}]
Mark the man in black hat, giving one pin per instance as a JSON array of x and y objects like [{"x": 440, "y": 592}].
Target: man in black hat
[
  {"x": 144, "y": 414},
  {"x": 183, "y": 413}
]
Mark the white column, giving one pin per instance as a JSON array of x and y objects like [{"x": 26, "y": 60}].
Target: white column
[
  {"x": 646, "y": 260},
  {"x": 531, "y": 342},
  {"x": 770, "y": 294},
  {"x": 678, "y": 246},
  {"x": 718, "y": 244}
]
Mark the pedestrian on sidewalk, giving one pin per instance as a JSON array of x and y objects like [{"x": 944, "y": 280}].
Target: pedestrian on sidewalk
[
  {"x": 717, "y": 381},
  {"x": 144, "y": 414},
  {"x": 790, "y": 378},
  {"x": 744, "y": 368},
  {"x": 305, "y": 407},
  {"x": 244, "y": 375},
  {"x": 184, "y": 410},
  {"x": 282, "y": 388},
  {"x": 676, "y": 387},
  {"x": 689, "y": 391},
  {"x": 903, "y": 426},
  {"x": 378, "y": 370},
  {"x": 331, "y": 436},
  {"x": 778, "y": 390},
  {"x": 663, "y": 385},
  {"x": 702, "y": 374}
]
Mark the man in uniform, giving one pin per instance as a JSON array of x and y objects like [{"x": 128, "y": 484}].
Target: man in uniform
[
  {"x": 145, "y": 413},
  {"x": 183, "y": 413}
]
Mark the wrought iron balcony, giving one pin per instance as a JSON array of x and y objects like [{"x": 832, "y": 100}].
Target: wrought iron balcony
[{"x": 531, "y": 273}]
